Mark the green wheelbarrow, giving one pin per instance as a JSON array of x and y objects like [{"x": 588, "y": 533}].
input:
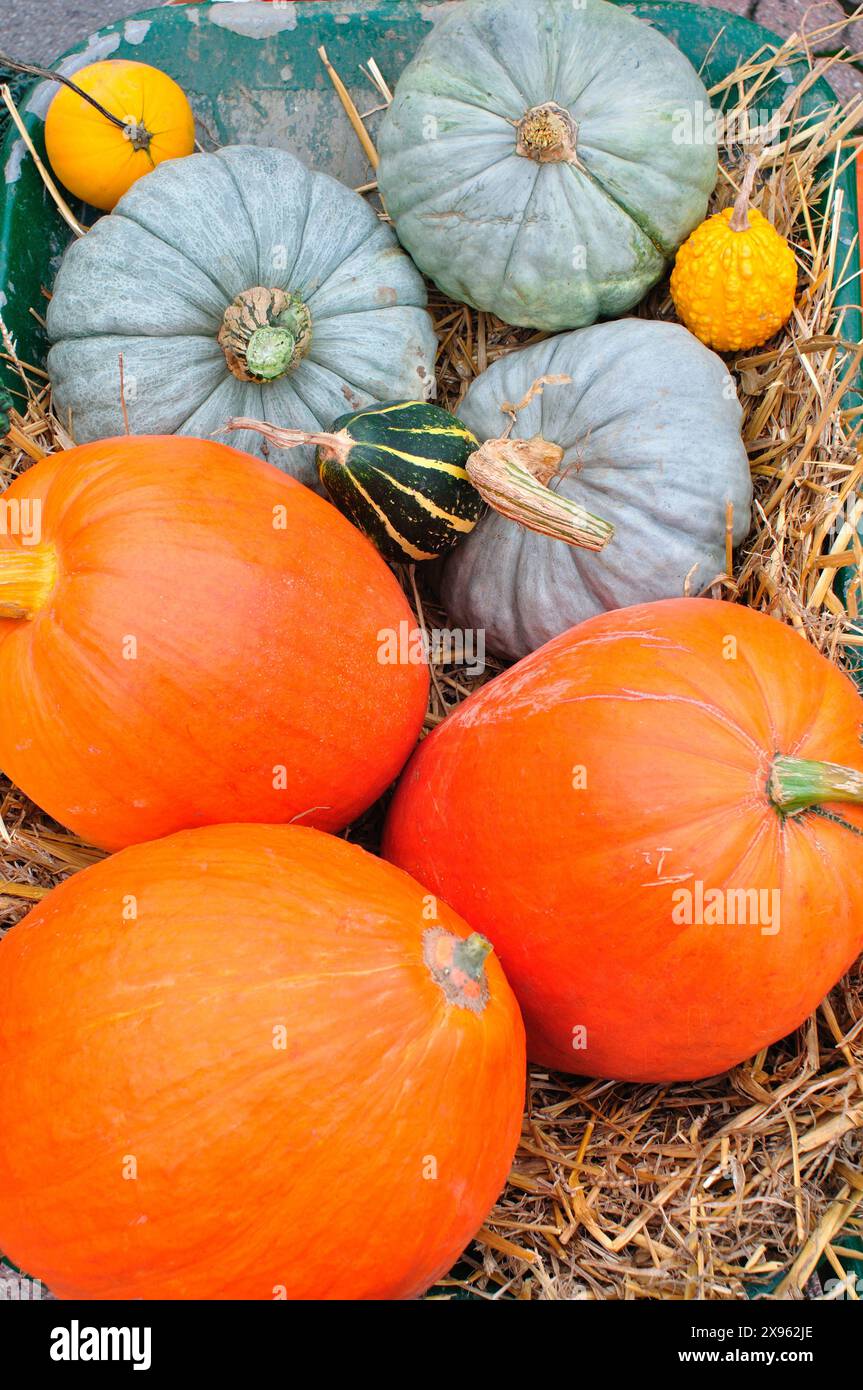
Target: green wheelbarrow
[{"x": 254, "y": 75}]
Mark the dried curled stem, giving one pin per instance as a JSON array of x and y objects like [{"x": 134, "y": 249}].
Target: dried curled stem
[
  {"x": 336, "y": 446},
  {"x": 513, "y": 476}
]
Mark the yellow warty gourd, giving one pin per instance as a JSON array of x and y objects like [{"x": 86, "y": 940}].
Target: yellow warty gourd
[{"x": 735, "y": 277}]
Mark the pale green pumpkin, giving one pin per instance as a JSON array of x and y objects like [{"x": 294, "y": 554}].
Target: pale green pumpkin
[
  {"x": 544, "y": 160},
  {"x": 649, "y": 429},
  {"x": 236, "y": 284}
]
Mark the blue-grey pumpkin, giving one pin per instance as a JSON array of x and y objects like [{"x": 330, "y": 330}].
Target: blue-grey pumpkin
[
  {"x": 649, "y": 425},
  {"x": 238, "y": 283},
  {"x": 544, "y": 160}
]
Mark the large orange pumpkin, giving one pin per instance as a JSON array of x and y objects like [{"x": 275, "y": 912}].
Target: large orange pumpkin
[
  {"x": 194, "y": 638},
  {"x": 646, "y": 819},
  {"x": 250, "y": 1062}
]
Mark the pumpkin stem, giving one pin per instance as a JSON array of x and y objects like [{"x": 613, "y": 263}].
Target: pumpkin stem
[
  {"x": 470, "y": 955},
  {"x": 28, "y": 575},
  {"x": 138, "y": 134},
  {"x": 739, "y": 220},
  {"x": 796, "y": 784},
  {"x": 513, "y": 476},
  {"x": 336, "y": 446},
  {"x": 536, "y": 388},
  {"x": 265, "y": 333},
  {"x": 269, "y": 352},
  {"x": 547, "y": 134},
  {"x": 458, "y": 966}
]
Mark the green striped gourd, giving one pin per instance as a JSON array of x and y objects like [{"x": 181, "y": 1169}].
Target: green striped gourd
[
  {"x": 399, "y": 473},
  {"x": 415, "y": 480}
]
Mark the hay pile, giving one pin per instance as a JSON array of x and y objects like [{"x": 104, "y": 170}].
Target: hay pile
[{"x": 698, "y": 1190}]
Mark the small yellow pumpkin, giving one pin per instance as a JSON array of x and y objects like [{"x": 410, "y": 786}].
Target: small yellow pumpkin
[
  {"x": 735, "y": 277},
  {"x": 144, "y": 119}
]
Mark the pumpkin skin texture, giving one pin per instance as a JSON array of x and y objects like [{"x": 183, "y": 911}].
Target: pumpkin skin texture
[
  {"x": 201, "y": 255},
  {"x": 563, "y": 807},
  {"x": 650, "y": 428},
  {"x": 96, "y": 160},
  {"x": 531, "y": 159},
  {"x": 269, "y": 1045},
  {"x": 202, "y": 646}
]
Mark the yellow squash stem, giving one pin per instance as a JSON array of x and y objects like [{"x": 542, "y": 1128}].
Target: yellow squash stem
[
  {"x": 512, "y": 475},
  {"x": 739, "y": 221},
  {"x": 796, "y": 784},
  {"x": 28, "y": 575}
]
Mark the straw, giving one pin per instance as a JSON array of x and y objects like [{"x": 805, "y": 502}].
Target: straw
[
  {"x": 353, "y": 114},
  {"x": 62, "y": 206}
]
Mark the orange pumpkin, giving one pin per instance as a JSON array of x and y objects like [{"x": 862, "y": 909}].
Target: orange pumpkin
[
  {"x": 646, "y": 818},
  {"x": 99, "y": 158},
  {"x": 195, "y": 638},
  {"x": 242, "y": 1062}
]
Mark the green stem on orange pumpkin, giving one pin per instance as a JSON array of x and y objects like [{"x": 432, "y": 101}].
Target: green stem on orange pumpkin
[
  {"x": 457, "y": 966},
  {"x": 470, "y": 955},
  {"x": 28, "y": 575},
  {"x": 796, "y": 784}
]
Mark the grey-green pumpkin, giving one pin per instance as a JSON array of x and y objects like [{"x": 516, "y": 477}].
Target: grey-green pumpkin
[
  {"x": 649, "y": 425},
  {"x": 544, "y": 160},
  {"x": 238, "y": 283}
]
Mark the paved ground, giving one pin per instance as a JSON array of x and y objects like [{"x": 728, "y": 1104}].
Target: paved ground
[{"x": 39, "y": 30}]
